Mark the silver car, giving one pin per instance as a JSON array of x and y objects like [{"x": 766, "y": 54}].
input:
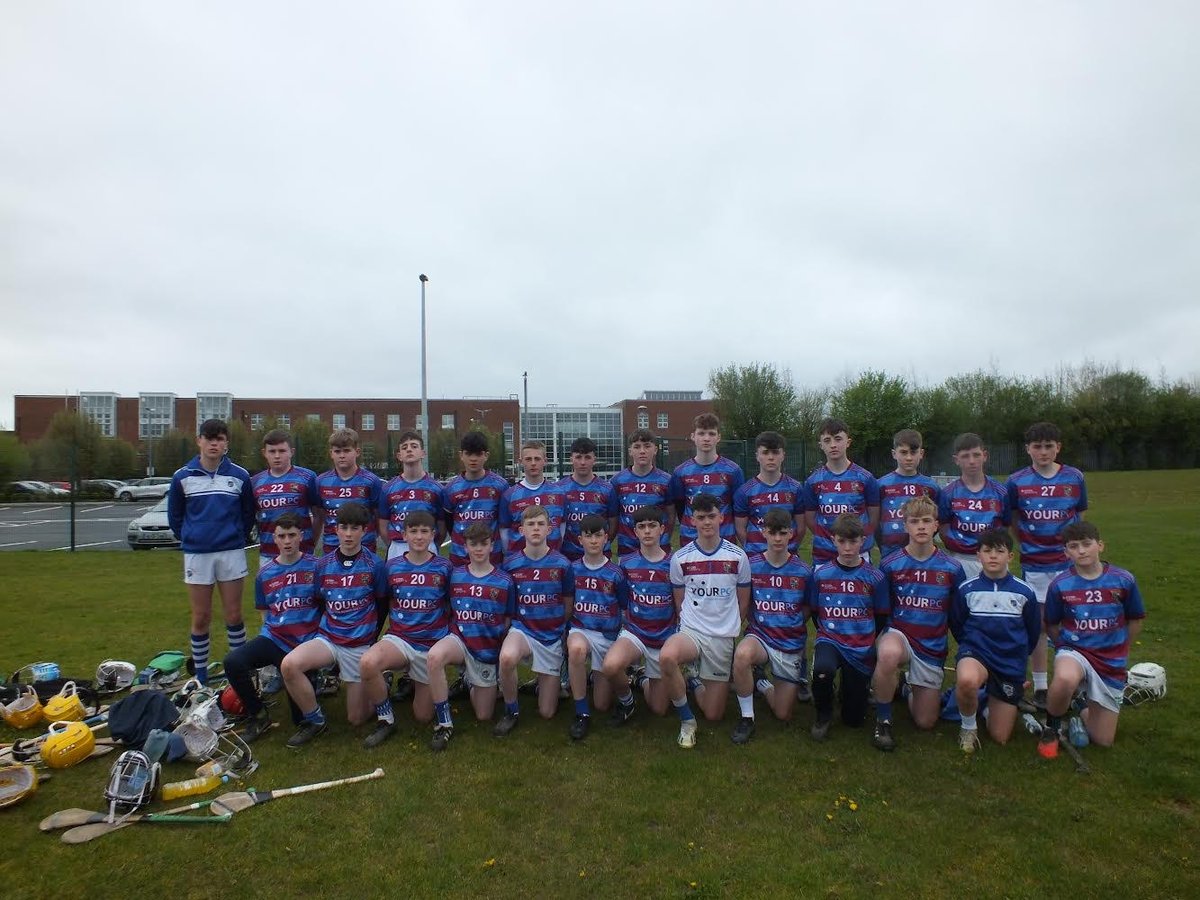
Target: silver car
[
  {"x": 144, "y": 489},
  {"x": 151, "y": 529}
]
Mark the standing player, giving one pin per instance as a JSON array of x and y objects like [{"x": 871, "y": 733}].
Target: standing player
[
  {"x": 532, "y": 490},
  {"x": 418, "y": 582},
  {"x": 996, "y": 621},
  {"x": 779, "y": 605},
  {"x": 971, "y": 504},
  {"x": 642, "y": 485},
  {"x": 769, "y": 489},
  {"x": 898, "y": 487},
  {"x": 281, "y": 488},
  {"x": 706, "y": 473},
  {"x": 710, "y": 578},
  {"x": 849, "y": 607},
  {"x": 585, "y": 494},
  {"x": 473, "y": 496},
  {"x": 601, "y": 593},
  {"x": 482, "y": 602},
  {"x": 1094, "y": 611},
  {"x": 1045, "y": 497},
  {"x": 921, "y": 581},
  {"x": 837, "y": 487},
  {"x": 347, "y": 482},
  {"x": 210, "y": 506},
  {"x": 544, "y": 590},
  {"x": 412, "y": 489},
  {"x": 352, "y": 588},
  {"x": 650, "y": 618}
]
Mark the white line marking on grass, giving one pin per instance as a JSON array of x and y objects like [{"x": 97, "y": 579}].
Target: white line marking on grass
[{"x": 77, "y": 546}]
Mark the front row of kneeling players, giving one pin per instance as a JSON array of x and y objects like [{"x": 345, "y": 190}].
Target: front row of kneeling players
[{"x": 656, "y": 614}]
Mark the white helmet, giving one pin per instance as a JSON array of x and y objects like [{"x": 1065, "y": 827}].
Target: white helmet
[
  {"x": 1147, "y": 681},
  {"x": 114, "y": 675}
]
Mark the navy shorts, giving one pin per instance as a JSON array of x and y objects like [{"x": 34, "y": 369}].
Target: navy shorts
[{"x": 998, "y": 687}]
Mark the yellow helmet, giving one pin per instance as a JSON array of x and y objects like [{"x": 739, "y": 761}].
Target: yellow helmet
[
  {"x": 25, "y": 711},
  {"x": 16, "y": 783},
  {"x": 67, "y": 744},
  {"x": 65, "y": 706}
]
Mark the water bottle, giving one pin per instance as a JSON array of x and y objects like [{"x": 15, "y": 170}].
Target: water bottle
[
  {"x": 212, "y": 767},
  {"x": 192, "y": 786}
]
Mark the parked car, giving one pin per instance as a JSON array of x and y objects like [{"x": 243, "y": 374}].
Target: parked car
[
  {"x": 151, "y": 529},
  {"x": 144, "y": 489},
  {"x": 64, "y": 486},
  {"x": 38, "y": 490},
  {"x": 101, "y": 487}
]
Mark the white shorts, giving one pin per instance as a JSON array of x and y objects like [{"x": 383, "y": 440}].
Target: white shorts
[
  {"x": 970, "y": 563},
  {"x": 716, "y": 654},
  {"x": 920, "y": 673},
  {"x": 211, "y": 568},
  {"x": 418, "y": 659},
  {"x": 1093, "y": 685},
  {"x": 1040, "y": 582},
  {"x": 789, "y": 667},
  {"x": 649, "y": 654},
  {"x": 348, "y": 659},
  {"x": 599, "y": 645},
  {"x": 547, "y": 659},
  {"x": 480, "y": 675},
  {"x": 396, "y": 548}
]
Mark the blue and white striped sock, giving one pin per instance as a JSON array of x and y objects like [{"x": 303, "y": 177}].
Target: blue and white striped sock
[
  {"x": 200, "y": 656},
  {"x": 383, "y": 712},
  {"x": 236, "y": 634}
]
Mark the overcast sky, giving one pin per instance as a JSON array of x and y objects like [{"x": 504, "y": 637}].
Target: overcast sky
[{"x": 240, "y": 196}]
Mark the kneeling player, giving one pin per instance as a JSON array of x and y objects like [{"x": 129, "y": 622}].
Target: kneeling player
[
  {"x": 419, "y": 617},
  {"x": 776, "y": 633},
  {"x": 482, "y": 602},
  {"x": 996, "y": 621},
  {"x": 352, "y": 586},
  {"x": 921, "y": 583},
  {"x": 849, "y": 607},
  {"x": 1093, "y": 611},
  {"x": 650, "y": 618}
]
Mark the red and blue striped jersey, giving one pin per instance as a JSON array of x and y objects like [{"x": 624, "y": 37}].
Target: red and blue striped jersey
[
  {"x": 845, "y": 602},
  {"x": 596, "y": 498},
  {"x": 474, "y": 501},
  {"x": 293, "y": 491},
  {"x": 721, "y": 478},
  {"x": 520, "y": 496},
  {"x": 754, "y": 498},
  {"x": 1094, "y": 615},
  {"x": 544, "y": 588},
  {"x": 350, "y": 589},
  {"x": 400, "y": 497},
  {"x": 418, "y": 611},
  {"x": 828, "y": 495},
  {"x": 634, "y": 491},
  {"x": 1041, "y": 508},
  {"x": 651, "y": 611},
  {"x": 600, "y": 596},
  {"x": 287, "y": 595},
  {"x": 363, "y": 487},
  {"x": 921, "y": 592},
  {"x": 779, "y": 597},
  {"x": 966, "y": 514},
  {"x": 481, "y": 607},
  {"x": 894, "y": 491}
]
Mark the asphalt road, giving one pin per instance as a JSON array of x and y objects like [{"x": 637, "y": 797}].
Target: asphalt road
[{"x": 47, "y": 526}]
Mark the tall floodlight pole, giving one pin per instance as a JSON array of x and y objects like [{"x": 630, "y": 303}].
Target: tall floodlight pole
[
  {"x": 525, "y": 414},
  {"x": 424, "y": 371}
]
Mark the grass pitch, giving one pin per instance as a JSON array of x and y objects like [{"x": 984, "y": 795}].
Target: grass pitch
[{"x": 627, "y": 813}]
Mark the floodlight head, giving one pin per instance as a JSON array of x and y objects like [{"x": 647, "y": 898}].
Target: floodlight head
[{"x": 424, "y": 278}]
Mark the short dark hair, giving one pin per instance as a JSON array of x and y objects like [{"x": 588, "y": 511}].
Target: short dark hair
[
  {"x": 706, "y": 420},
  {"x": 831, "y": 426},
  {"x": 907, "y": 437},
  {"x": 651, "y": 513},
  {"x": 592, "y": 523},
  {"x": 478, "y": 533},
  {"x": 770, "y": 440},
  {"x": 410, "y": 435},
  {"x": 277, "y": 436},
  {"x": 353, "y": 514},
  {"x": 778, "y": 519},
  {"x": 705, "y": 503},
  {"x": 995, "y": 538},
  {"x": 1042, "y": 431},
  {"x": 474, "y": 442},
  {"x": 420, "y": 518},
  {"x": 289, "y": 520},
  {"x": 847, "y": 525},
  {"x": 213, "y": 428},
  {"x": 643, "y": 435},
  {"x": 583, "y": 445},
  {"x": 968, "y": 440},
  {"x": 1079, "y": 531}
]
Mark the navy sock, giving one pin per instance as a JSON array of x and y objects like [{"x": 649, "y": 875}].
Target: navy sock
[
  {"x": 883, "y": 712},
  {"x": 581, "y": 707},
  {"x": 513, "y": 709},
  {"x": 316, "y": 717}
]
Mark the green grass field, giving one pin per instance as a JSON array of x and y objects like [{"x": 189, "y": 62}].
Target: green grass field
[{"x": 627, "y": 813}]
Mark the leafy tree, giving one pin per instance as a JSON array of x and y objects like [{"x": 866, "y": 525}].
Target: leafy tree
[
  {"x": 874, "y": 408},
  {"x": 14, "y": 459},
  {"x": 441, "y": 457},
  {"x": 119, "y": 459},
  {"x": 812, "y": 405},
  {"x": 171, "y": 451},
  {"x": 311, "y": 442},
  {"x": 754, "y": 398}
]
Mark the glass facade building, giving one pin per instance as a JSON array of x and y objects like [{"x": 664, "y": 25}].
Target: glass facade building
[{"x": 557, "y": 426}]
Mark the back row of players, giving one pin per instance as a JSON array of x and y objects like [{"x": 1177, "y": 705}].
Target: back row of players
[{"x": 540, "y": 558}]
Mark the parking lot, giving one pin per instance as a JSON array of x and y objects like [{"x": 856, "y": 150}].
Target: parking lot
[{"x": 47, "y": 526}]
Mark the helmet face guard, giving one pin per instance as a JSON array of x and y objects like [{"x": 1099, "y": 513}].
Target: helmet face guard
[
  {"x": 1146, "y": 681},
  {"x": 114, "y": 675},
  {"x": 205, "y": 744},
  {"x": 131, "y": 784}
]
